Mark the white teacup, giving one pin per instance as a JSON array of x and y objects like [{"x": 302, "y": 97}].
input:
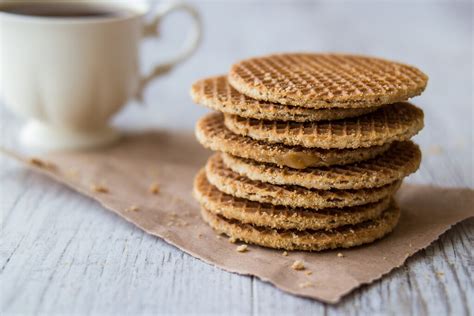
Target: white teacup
[{"x": 68, "y": 67}]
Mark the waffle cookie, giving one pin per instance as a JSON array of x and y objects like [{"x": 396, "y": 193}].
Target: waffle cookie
[
  {"x": 216, "y": 93},
  {"x": 326, "y": 80},
  {"x": 234, "y": 184},
  {"x": 396, "y": 122},
  {"x": 279, "y": 216},
  {"x": 212, "y": 133},
  {"x": 402, "y": 159},
  {"x": 310, "y": 240}
]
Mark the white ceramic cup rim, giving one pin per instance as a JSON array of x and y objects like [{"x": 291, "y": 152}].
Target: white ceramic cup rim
[{"x": 137, "y": 8}]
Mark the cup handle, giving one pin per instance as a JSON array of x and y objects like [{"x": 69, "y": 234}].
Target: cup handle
[{"x": 190, "y": 45}]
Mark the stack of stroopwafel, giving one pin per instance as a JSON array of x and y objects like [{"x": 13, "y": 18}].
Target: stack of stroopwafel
[{"x": 311, "y": 148}]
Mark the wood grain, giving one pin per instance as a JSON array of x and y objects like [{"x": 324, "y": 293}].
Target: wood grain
[{"x": 61, "y": 253}]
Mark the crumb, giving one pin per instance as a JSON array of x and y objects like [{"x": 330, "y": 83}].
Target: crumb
[
  {"x": 218, "y": 236},
  {"x": 170, "y": 224},
  {"x": 232, "y": 240},
  {"x": 200, "y": 235},
  {"x": 384, "y": 258},
  {"x": 133, "y": 208},
  {"x": 309, "y": 272},
  {"x": 284, "y": 254},
  {"x": 440, "y": 274},
  {"x": 340, "y": 255},
  {"x": 297, "y": 265},
  {"x": 99, "y": 188},
  {"x": 305, "y": 284},
  {"x": 40, "y": 163},
  {"x": 37, "y": 162},
  {"x": 154, "y": 188},
  {"x": 410, "y": 245},
  {"x": 242, "y": 248}
]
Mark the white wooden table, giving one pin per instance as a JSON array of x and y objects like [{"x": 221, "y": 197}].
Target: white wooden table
[{"x": 61, "y": 253}]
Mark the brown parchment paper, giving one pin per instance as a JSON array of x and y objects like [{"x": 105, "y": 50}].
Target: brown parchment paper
[{"x": 170, "y": 160}]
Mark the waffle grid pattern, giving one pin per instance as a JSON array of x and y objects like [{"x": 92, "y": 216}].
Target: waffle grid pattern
[
  {"x": 212, "y": 133},
  {"x": 216, "y": 93},
  {"x": 280, "y": 216},
  {"x": 395, "y": 122},
  {"x": 309, "y": 240},
  {"x": 232, "y": 183},
  {"x": 326, "y": 80},
  {"x": 402, "y": 159}
]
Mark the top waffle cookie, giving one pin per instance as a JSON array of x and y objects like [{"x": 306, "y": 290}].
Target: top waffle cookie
[{"x": 326, "y": 80}]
